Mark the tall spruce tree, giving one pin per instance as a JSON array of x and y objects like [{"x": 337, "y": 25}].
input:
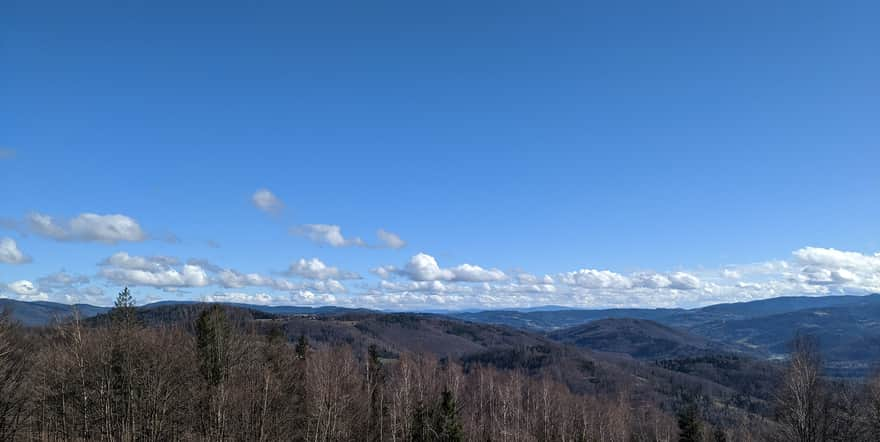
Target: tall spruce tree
[
  {"x": 376, "y": 391},
  {"x": 213, "y": 333},
  {"x": 689, "y": 426},
  {"x": 302, "y": 347},
  {"x": 123, "y": 308},
  {"x": 448, "y": 424}
]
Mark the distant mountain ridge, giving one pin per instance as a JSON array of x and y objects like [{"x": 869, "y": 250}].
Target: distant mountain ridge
[
  {"x": 44, "y": 312},
  {"x": 37, "y": 313},
  {"x": 548, "y": 320},
  {"x": 541, "y": 318},
  {"x": 847, "y": 327}
]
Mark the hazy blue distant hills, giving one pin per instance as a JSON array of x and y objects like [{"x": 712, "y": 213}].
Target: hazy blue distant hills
[
  {"x": 275, "y": 310},
  {"x": 549, "y": 320},
  {"x": 786, "y": 304},
  {"x": 848, "y": 333},
  {"x": 44, "y": 312},
  {"x": 847, "y": 328}
]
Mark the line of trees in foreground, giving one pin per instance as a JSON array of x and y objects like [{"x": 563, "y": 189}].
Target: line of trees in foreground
[{"x": 123, "y": 381}]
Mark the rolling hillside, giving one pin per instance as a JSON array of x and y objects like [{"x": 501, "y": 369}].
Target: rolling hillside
[{"x": 639, "y": 338}]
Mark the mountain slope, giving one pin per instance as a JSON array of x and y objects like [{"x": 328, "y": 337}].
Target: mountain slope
[
  {"x": 639, "y": 338},
  {"x": 559, "y": 319}
]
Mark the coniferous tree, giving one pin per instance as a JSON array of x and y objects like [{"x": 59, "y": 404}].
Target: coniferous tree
[
  {"x": 448, "y": 423},
  {"x": 213, "y": 346},
  {"x": 123, "y": 308},
  {"x": 375, "y": 389},
  {"x": 302, "y": 347},
  {"x": 213, "y": 333},
  {"x": 421, "y": 425},
  {"x": 689, "y": 424}
]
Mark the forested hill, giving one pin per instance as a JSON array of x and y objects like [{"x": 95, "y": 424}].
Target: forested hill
[
  {"x": 310, "y": 359},
  {"x": 171, "y": 369}
]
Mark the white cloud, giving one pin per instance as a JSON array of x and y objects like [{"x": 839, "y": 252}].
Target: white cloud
[
  {"x": 44, "y": 225},
  {"x": 314, "y": 268},
  {"x": 89, "y": 295},
  {"x": 10, "y": 253},
  {"x": 424, "y": 267},
  {"x": 528, "y": 278},
  {"x": 61, "y": 280},
  {"x": 833, "y": 258},
  {"x": 147, "y": 263},
  {"x": 190, "y": 276},
  {"x": 153, "y": 271},
  {"x": 327, "y": 234},
  {"x": 384, "y": 272},
  {"x": 325, "y": 286},
  {"x": 266, "y": 201},
  {"x": 232, "y": 279},
  {"x": 683, "y": 281},
  {"x": 390, "y": 240},
  {"x": 298, "y": 297},
  {"x": 651, "y": 280},
  {"x": 311, "y": 298},
  {"x": 731, "y": 274},
  {"x": 331, "y": 234},
  {"x": 6, "y": 153},
  {"x": 88, "y": 227},
  {"x": 596, "y": 279},
  {"x": 27, "y": 291},
  {"x": 423, "y": 283},
  {"x": 60, "y": 287},
  {"x": 245, "y": 298},
  {"x": 473, "y": 273},
  {"x": 832, "y": 269}
]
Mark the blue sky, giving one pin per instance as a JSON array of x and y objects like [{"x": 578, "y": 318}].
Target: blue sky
[{"x": 527, "y": 153}]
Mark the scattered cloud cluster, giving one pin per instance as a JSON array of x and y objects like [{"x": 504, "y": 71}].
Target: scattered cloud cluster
[
  {"x": 836, "y": 270},
  {"x": 300, "y": 297},
  {"x": 59, "y": 286},
  {"x": 171, "y": 274},
  {"x": 420, "y": 281}
]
